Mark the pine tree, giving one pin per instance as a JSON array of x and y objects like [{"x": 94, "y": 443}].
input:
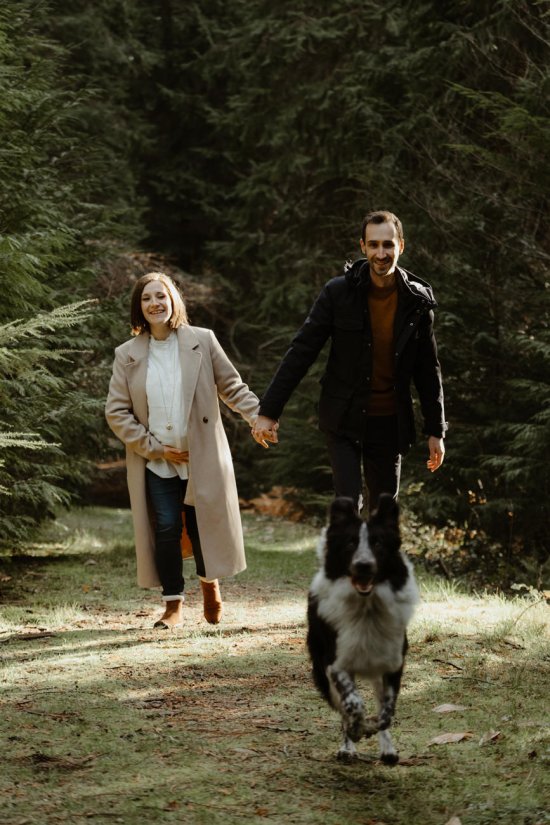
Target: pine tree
[
  {"x": 33, "y": 398},
  {"x": 56, "y": 226}
]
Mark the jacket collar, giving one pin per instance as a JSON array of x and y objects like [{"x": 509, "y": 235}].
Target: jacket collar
[
  {"x": 410, "y": 286},
  {"x": 139, "y": 346}
]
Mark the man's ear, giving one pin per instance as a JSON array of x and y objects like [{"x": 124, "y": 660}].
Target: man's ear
[
  {"x": 401, "y": 247},
  {"x": 362, "y": 245}
]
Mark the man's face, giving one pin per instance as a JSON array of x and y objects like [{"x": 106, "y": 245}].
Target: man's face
[{"x": 382, "y": 249}]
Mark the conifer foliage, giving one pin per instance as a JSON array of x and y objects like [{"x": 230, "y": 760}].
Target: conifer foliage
[{"x": 50, "y": 221}]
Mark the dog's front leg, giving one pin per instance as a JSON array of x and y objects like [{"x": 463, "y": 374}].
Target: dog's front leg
[
  {"x": 387, "y": 689},
  {"x": 347, "y": 751},
  {"x": 346, "y": 699}
]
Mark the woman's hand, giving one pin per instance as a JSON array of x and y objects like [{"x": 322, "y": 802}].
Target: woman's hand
[
  {"x": 265, "y": 429},
  {"x": 176, "y": 456}
]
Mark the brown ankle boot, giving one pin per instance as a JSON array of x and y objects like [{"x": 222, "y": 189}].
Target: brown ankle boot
[
  {"x": 212, "y": 600},
  {"x": 172, "y": 616}
]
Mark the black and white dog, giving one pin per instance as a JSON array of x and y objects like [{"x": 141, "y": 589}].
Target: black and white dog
[{"x": 359, "y": 605}]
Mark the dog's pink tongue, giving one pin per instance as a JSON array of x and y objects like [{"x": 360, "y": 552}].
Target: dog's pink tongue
[{"x": 363, "y": 587}]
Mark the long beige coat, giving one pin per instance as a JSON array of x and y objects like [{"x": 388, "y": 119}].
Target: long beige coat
[{"x": 207, "y": 373}]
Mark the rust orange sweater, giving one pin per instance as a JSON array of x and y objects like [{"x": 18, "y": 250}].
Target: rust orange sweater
[{"x": 382, "y": 308}]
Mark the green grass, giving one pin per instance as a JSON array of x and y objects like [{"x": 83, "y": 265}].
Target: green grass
[{"x": 104, "y": 719}]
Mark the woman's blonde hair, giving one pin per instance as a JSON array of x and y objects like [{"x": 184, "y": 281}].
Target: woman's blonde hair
[{"x": 178, "y": 317}]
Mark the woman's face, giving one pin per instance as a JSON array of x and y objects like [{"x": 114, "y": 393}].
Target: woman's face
[{"x": 156, "y": 304}]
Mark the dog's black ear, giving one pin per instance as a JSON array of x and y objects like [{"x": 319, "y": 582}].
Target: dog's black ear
[
  {"x": 341, "y": 510},
  {"x": 387, "y": 511}
]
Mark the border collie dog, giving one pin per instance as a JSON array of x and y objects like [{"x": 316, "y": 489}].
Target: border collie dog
[{"x": 359, "y": 605}]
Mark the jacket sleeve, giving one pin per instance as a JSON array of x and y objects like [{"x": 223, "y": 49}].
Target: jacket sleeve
[
  {"x": 120, "y": 415},
  {"x": 427, "y": 380},
  {"x": 231, "y": 388},
  {"x": 303, "y": 351}
]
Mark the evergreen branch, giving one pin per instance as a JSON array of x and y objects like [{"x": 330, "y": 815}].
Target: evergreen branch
[
  {"x": 30, "y": 441},
  {"x": 63, "y": 317}
]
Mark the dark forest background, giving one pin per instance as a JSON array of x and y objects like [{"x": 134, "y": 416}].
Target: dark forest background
[{"x": 238, "y": 146}]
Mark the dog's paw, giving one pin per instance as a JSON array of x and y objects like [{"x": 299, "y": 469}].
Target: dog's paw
[
  {"x": 388, "y": 754},
  {"x": 347, "y": 753},
  {"x": 389, "y": 758}
]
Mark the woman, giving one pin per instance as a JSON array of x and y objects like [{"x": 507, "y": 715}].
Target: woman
[{"x": 163, "y": 405}]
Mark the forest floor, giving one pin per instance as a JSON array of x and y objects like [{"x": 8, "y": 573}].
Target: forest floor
[{"x": 105, "y": 720}]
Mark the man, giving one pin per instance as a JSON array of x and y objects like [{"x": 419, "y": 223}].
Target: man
[{"x": 380, "y": 321}]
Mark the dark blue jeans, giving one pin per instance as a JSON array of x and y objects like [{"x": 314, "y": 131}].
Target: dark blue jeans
[
  {"x": 166, "y": 496},
  {"x": 378, "y": 451}
]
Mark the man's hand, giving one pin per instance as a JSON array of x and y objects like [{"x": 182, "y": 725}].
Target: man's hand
[
  {"x": 264, "y": 430},
  {"x": 176, "y": 456},
  {"x": 437, "y": 453}
]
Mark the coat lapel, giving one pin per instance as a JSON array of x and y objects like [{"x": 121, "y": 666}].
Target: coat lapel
[
  {"x": 190, "y": 360},
  {"x": 136, "y": 369}
]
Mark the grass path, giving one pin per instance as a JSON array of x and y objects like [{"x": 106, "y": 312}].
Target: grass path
[{"x": 105, "y": 720}]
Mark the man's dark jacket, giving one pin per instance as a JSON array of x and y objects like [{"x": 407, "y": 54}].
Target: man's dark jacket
[{"x": 341, "y": 312}]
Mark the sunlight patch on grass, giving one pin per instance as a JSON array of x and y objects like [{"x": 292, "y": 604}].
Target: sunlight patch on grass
[
  {"x": 81, "y": 531},
  {"x": 487, "y": 615},
  {"x": 57, "y": 617}
]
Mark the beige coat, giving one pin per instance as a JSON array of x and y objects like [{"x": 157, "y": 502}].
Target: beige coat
[{"x": 207, "y": 373}]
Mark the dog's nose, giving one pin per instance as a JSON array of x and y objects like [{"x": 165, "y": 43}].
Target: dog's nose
[{"x": 363, "y": 569}]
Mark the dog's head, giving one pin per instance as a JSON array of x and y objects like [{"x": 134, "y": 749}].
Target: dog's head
[{"x": 367, "y": 553}]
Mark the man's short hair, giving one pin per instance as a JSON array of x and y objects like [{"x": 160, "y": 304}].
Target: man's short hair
[{"x": 382, "y": 216}]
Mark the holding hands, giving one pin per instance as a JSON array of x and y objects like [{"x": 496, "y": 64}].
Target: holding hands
[{"x": 265, "y": 429}]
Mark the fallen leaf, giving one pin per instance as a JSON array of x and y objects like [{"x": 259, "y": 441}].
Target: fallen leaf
[
  {"x": 4, "y": 578},
  {"x": 449, "y": 738},
  {"x": 454, "y": 820},
  {"x": 86, "y": 588},
  {"x": 448, "y": 708},
  {"x": 261, "y": 812},
  {"x": 490, "y": 736}
]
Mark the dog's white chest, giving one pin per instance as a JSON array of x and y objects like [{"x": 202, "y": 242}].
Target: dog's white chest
[
  {"x": 367, "y": 650},
  {"x": 369, "y": 634}
]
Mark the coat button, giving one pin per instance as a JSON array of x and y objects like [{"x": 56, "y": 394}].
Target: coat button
[{"x": 205, "y": 420}]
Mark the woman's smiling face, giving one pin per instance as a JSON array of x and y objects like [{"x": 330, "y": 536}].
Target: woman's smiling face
[{"x": 156, "y": 304}]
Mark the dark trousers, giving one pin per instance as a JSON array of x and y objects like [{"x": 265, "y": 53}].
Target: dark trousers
[
  {"x": 377, "y": 451},
  {"x": 166, "y": 497}
]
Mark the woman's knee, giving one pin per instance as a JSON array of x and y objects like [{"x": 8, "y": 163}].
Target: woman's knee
[{"x": 168, "y": 525}]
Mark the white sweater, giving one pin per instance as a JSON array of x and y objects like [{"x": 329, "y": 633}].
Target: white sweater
[{"x": 165, "y": 402}]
